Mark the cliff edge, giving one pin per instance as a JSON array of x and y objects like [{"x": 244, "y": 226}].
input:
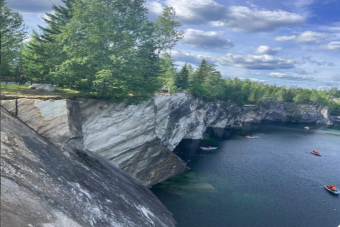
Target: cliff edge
[{"x": 139, "y": 139}]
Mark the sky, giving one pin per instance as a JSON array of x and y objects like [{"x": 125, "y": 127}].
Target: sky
[{"x": 295, "y": 43}]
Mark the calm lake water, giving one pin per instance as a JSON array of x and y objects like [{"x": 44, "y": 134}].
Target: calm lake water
[{"x": 271, "y": 181}]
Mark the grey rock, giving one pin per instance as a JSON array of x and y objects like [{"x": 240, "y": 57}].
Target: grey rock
[
  {"x": 43, "y": 186},
  {"x": 43, "y": 87},
  {"x": 139, "y": 139},
  {"x": 10, "y": 105}
]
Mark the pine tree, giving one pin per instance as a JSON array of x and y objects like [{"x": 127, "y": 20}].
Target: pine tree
[
  {"x": 181, "y": 78},
  {"x": 12, "y": 36},
  {"x": 44, "y": 51}
]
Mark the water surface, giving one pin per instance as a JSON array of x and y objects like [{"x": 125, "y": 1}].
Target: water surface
[{"x": 270, "y": 181}]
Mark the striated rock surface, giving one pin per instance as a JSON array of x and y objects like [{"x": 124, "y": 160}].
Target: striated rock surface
[
  {"x": 134, "y": 136},
  {"x": 139, "y": 139},
  {"x": 43, "y": 186},
  {"x": 57, "y": 120}
]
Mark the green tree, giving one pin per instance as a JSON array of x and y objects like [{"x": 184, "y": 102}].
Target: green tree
[
  {"x": 167, "y": 35},
  {"x": 44, "y": 51},
  {"x": 167, "y": 70},
  {"x": 111, "y": 45},
  {"x": 202, "y": 72},
  {"x": 181, "y": 78},
  {"x": 12, "y": 36},
  {"x": 303, "y": 96}
]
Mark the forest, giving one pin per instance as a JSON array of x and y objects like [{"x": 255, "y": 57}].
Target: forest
[{"x": 109, "y": 49}]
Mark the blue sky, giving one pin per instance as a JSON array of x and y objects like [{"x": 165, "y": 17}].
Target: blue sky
[{"x": 295, "y": 43}]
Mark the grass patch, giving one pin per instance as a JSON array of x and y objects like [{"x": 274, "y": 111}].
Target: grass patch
[{"x": 19, "y": 91}]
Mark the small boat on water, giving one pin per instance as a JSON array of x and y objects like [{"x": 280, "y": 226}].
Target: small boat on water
[
  {"x": 315, "y": 152},
  {"x": 332, "y": 189},
  {"x": 307, "y": 127},
  {"x": 252, "y": 137},
  {"x": 208, "y": 148}
]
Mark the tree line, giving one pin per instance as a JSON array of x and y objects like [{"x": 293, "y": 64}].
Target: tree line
[
  {"x": 105, "y": 47},
  {"x": 207, "y": 83},
  {"x": 110, "y": 49}
]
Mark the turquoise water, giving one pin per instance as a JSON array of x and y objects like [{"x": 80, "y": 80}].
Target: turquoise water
[{"x": 270, "y": 181}]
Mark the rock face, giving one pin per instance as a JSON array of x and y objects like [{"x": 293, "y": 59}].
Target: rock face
[
  {"x": 43, "y": 87},
  {"x": 44, "y": 186},
  {"x": 139, "y": 139}
]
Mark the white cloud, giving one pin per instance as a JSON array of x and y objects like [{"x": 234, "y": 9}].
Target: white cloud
[
  {"x": 188, "y": 57},
  {"x": 258, "y": 62},
  {"x": 335, "y": 45},
  {"x": 197, "y": 11},
  {"x": 206, "y": 40},
  {"x": 303, "y": 6},
  {"x": 155, "y": 9},
  {"x": 254, "y": 80},
  {"x": 242, "y": 18},
  {"x": 267, "y": 50},
  {"x": 285, "y": 38},
  {"x": 32, "y": 6},
  {"x": 290, "y": 76},
  {"x": 305, "y": 37}
]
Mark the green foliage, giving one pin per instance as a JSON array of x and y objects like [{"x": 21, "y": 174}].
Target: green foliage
[
  {"x": 167, "y": 70},
  {"x": 106, "y": 47},
  {"x": 201, "y": 73},
  {"x": 43, "y": 53},
  {"x": 182, "y": 78},
  {"x": 12, "y": 36},
  {"x": 334, "y": 108},
  {"x": 199, "y": 90},
  {"x": 207, "y": 83},
  {"x": 302, "y": 96},
  {"x": 109, "y": 49},
  {"x": 166, "y": 35},
  {"x": 13, "y": 90}
]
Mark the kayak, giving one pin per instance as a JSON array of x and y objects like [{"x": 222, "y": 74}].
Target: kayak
[
  {"x": 208, "y": 148},
  {"x": 252, "y": 137},
  {"x": 318, "y": 154},
  {"x": 336, "y": 192}
]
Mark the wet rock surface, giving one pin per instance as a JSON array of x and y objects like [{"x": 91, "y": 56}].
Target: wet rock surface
[{"x": 44, "y": 186}]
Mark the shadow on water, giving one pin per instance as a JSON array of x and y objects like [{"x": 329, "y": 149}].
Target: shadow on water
[{"x": 270, "y": 181}]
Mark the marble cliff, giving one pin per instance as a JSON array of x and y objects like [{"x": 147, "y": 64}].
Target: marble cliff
[
  {"x": 44, "y": 186},
  {"x": 139, "y": 139}
]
